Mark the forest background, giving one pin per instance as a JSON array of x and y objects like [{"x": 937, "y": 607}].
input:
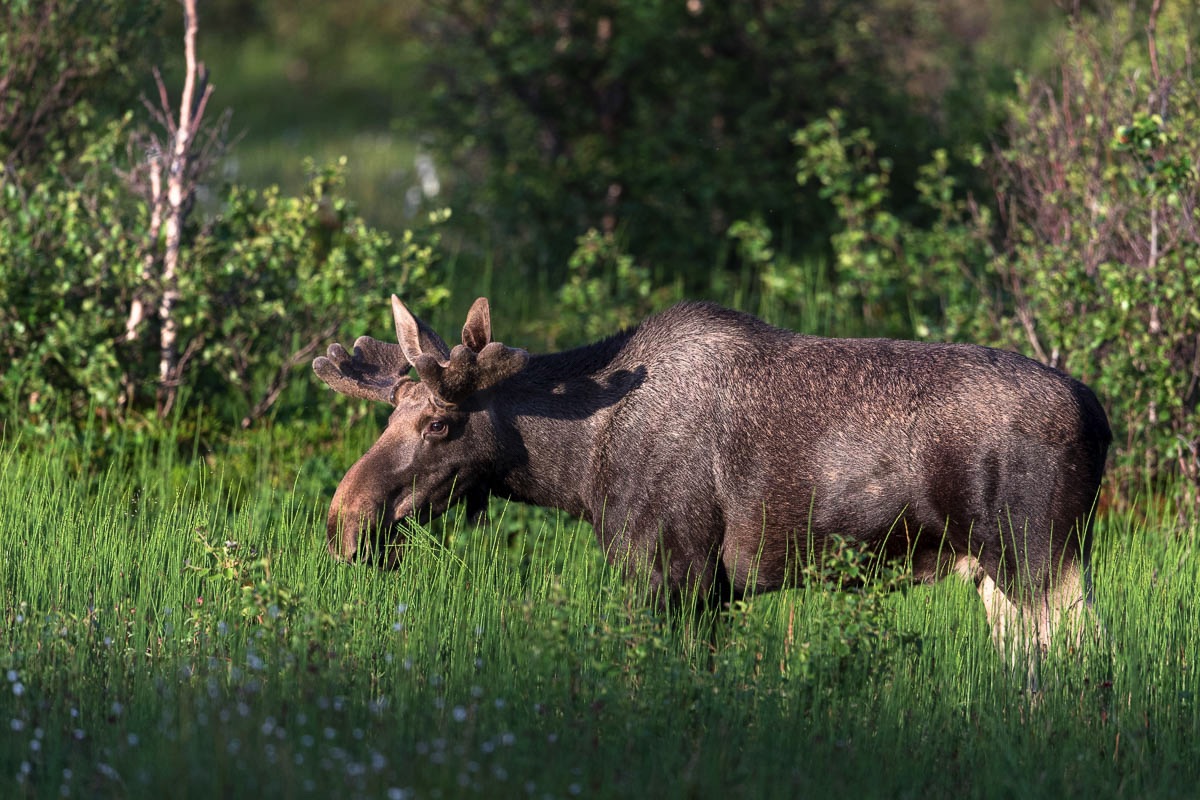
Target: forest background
[{"x": 1010, "y": 173}]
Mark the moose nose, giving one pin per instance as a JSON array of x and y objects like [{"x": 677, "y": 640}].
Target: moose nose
[
  {"x": 353, "y": 518},
  {"x": 342, "y": 532},
  {"x": 361, "y": 531}
]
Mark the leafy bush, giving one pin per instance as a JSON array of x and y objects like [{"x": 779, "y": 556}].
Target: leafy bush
[
  {"x": 67, "y": 264},
  {"x": 899, "y": 277},
  {"x": 267, "y": 281},
  {"x": 606, "y": 291},
  {"x": 1100, "y": 188},
  {"x": 62, "y": 64},
  {"x": 1097, "y": 270},
  {"x": 274, "y": 279}
]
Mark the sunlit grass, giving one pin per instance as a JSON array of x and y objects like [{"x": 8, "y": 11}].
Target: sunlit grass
[{"x": 172, "y": 629}]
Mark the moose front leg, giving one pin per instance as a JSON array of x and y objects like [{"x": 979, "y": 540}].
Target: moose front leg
[{"x": 674, "y": 570}]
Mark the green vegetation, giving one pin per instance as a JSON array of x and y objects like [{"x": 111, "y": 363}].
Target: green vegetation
[{"x": 172, "y": 626}]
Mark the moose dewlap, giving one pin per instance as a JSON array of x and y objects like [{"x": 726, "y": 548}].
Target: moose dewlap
[{"x": 713, "y": 451}]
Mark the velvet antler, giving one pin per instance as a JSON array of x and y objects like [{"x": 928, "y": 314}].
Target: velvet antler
[{"x": 374, "y": 372}]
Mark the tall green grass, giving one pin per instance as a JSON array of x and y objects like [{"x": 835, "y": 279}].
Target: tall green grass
[{"x": 174, "y": 627}]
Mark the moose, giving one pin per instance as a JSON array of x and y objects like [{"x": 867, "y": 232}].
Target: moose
[{"x": 714, "y": 453}]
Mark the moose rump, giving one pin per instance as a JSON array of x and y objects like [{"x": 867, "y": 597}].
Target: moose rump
[{"x": 714, "y": 450}]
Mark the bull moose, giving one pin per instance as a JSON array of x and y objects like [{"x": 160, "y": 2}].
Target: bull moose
[{"x": 716, "y": 451}]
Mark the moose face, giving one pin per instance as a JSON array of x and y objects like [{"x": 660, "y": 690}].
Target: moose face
[{"x": 438, "y": 446}]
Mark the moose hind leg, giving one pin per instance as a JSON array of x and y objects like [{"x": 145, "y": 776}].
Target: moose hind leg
[
  {"x": 1024, "y": 630},
  {"x": 1065, "y": 607}
]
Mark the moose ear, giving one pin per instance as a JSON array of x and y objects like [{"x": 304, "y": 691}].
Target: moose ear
[
  {"x": 415, "y": 336},
  {"x": 477, "y": 332}
]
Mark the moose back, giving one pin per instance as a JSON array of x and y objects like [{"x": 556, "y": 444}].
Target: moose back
[{"x": 714, "y": 451}]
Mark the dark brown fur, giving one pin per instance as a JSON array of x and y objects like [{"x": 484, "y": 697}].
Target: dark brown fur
[{"x": 713, "y": 450}]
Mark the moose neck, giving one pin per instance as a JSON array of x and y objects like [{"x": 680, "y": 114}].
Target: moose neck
[{"x": 550, "y": 421}]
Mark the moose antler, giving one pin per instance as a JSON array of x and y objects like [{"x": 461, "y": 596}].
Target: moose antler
[
  {"x": 374, "y": 372},
  {"x": 473, "y": 366}
]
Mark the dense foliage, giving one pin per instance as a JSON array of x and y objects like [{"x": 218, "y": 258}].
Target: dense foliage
[
  {"x": 1093, "y": 264},
  {"x": 666, "y": 121},
  {"x": 270, "y": 280},
  {"x": 62, "y": 64}
]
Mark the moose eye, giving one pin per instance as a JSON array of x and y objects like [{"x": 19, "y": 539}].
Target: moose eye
[{"x": 436, "y": 427}]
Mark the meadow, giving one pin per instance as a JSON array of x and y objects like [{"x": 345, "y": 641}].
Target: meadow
[{"x": 174, "y": 626}]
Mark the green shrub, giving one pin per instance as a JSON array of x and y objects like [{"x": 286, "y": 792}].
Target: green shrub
[
  {"x": 266, "y": 283},
  {"x": 63, "y": 64},
  {"x": 605, "y": 291},
  {"x": 1093, "y": 264},
  {"x": 67, "y": 263},
  {"x": 273, "y": 280},
  {"x": 1100, "y": 185},
  {"x": 899, "y": 277}
]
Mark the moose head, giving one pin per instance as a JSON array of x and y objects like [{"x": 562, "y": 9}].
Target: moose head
[{"x": 438, "y": 442}]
